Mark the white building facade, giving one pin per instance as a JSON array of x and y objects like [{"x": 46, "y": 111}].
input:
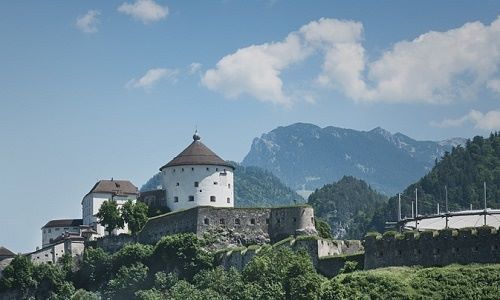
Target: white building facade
[
  {"x": 118, "y": 190},
  {"x": 198, "y": 177},
  {"x": 56, "y": 228}
]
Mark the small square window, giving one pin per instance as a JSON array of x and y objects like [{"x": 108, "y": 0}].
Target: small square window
[
  {"x": 196, "y": 184},
  {"x": 252, "y": 221},
  {"x": 228, "y": 200},
  {"x": 191, "y": 198},
  {"x": 206, "y": 221},
  {"x": 267, "y": 221},
  {"x": 222, "y": 221},
  {"x": 182, "y": 169},
  {"x": 228, "y": 185},
  {"x": 237, "y": 221},
  {"x": 294, "y": 220},
  {"x": 176, "y": 199},
  {"x": 177, "y": 184},
  {"x": 212, "y": 198},
  {"x": 192, "y": 169},
  {"x": 208, "y": 169},
  {"x": 216, "y": 169}
]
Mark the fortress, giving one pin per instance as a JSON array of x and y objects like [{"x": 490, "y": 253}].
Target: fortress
[{"x": 197, "y": 186}]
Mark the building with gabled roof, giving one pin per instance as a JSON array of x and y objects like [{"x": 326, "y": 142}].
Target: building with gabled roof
[
  {"x": 55, "y": 228},
  {"x": 118, "y": 190},
  {"x": 6, "y": 253}
]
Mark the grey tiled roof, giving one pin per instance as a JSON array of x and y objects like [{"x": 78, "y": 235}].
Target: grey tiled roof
[
  {"x": 64, "y": 223},
  {"x": 6, "y": 252}
]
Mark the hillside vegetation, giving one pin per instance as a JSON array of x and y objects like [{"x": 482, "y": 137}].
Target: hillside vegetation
[
  {"x": 348, "y": 206},
  {"x": 253, "y": 186},
  {"x": 177, "y": 267},
  {"x": 463, "y": 171}
]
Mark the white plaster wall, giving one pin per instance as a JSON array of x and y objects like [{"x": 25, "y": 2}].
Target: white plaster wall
[
  {"x": 90, "y": 207},
  {"x": 49, "y": 254},
  {"x": 206, "y": 176},
  {"x": 54, "y": 232}
]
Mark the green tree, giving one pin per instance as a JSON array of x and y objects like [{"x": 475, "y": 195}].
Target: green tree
[
  {"x": 182, "y": 254},
  {"x": 348, "y": 206},
  {"x": 95, "y": 269},
  {"x": 127, "y": 280},
  {"x": 283, "y": 274},
  {"x": 135, "y": 215},
  {"x": 109, "y": 216},
  {"x": 18, "y": 275},
  {"x": 130, "y": 254},
  {"x": 323, "y": 228}
]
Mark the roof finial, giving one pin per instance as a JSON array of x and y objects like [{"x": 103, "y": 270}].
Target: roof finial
[{"x": 196, "y": 137}]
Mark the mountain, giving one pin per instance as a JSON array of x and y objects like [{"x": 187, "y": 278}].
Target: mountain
[
  {"x": 306, "y": 157},
  {"x": 253, "y": 186},
  {"x": 463, "y": 171},
  {"x": 348, "y": 206}
]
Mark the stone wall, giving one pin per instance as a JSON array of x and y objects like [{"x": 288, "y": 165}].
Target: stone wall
[
  {"x": 331, "y": 265},
  {"x": 170, "y": 223},
  {"x": 232, "y": 226},
  {"x": 225, "y": 227},
  {"x": 433, "y": 248},
  {"x": 112, "y": 243},
  {"x": 328, "y": 256},
  {"x": 52, "y": 254},
  {"x": 286, "y": 221}
]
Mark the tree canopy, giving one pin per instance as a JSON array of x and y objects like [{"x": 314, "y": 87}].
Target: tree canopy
[{"x": 109, "y": 216}]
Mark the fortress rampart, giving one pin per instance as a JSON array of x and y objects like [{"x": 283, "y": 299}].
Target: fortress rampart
[
  {"x": 232, "y": 226},
  {"x": 432, "y": 248},
  {"x": 328, "y": 256}
]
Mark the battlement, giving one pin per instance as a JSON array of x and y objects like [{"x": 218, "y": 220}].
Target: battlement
[
  {"x": 328, "y": 256},
  {"x": 432, "y": 248},
  {"x": 233, "y": 226}
]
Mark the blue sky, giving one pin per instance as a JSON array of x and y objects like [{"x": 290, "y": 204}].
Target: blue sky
[{"x": 98, "y": 89}]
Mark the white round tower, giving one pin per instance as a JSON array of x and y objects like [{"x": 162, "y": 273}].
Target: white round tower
[{"x": 198, "y": 177}]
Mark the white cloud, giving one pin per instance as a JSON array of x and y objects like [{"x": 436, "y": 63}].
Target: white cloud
[
  {"x": 436, "y": 67},
  {"x": 88, "y": 22},
  {"x": 494, "y": 85},
  {"x": 146, "y": 11},
  {"x": 255, "y": 70},
  {"x": 194, "y": 68},
  {"x": 488, "y": 121},
  {"x": 152, "y": 77}
]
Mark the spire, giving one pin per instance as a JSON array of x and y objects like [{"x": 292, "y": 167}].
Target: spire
[{"x": 196, "y": 137}]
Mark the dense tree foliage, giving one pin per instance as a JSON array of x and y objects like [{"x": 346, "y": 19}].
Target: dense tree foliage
[
  {"x": 348, "y": 206},
  {"x": 159, "y": 272},
  {"x": 135, "y": 215},
  {"x": 323, "y": 228},
  {"x": 254, "y": 186},
  {"x": 463, "y": 172},
  {"x": 36, "y": 281},
  {"x": 109, "y": 216}
]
